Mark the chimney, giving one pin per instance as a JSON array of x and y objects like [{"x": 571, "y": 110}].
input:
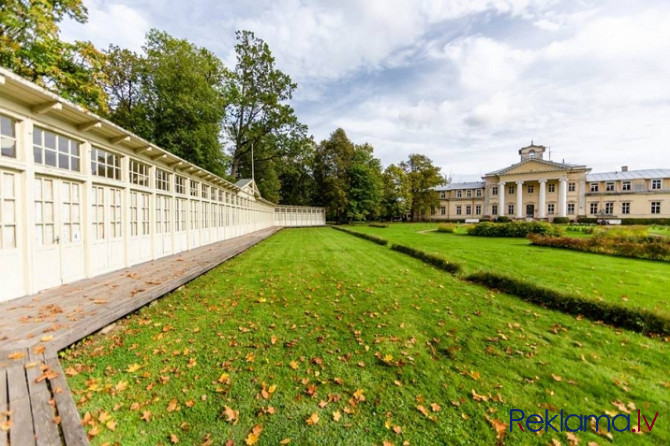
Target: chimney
[{"x": 624, "y": 168}]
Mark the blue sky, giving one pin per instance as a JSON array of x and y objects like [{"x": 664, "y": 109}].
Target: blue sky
[{"x": 466, "y": 82}]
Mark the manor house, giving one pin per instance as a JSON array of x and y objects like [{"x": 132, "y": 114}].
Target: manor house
[{"x": 540, "y": 189}]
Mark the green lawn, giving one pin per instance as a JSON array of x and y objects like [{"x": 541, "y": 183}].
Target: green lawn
[
  {"x": 623, "y": 281},
  {"x": 315, "y": 321}
]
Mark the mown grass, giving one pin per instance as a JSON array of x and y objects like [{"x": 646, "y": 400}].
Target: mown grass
[
  {"x": 622, "y": 281},
  {"x": 323, "y": 316}
]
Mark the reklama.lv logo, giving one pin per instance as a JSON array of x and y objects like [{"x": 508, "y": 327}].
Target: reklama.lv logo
[{"x": 577, "y": 422}]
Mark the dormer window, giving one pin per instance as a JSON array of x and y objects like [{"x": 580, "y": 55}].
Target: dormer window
[{"x": 531, "y": 154}]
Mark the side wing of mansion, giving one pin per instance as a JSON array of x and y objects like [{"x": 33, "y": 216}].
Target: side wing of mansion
[{"x": 540, "y": 189}]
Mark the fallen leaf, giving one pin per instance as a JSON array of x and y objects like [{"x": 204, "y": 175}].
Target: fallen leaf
[
  {"x": 313, "y": 419},
  {"x": 133, "y": 368},
  {"x": 231, "y": 415},
  {"x": 174, "y": 439},
  {"x": 146, "y": 415},
  {"x": 336, "y": 416}
]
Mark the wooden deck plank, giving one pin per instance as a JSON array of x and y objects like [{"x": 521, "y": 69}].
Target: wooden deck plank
[
  {"x": 46, "y": 432},
  {"x": 4, "y": 417},
  {"x": 73, "y": 431},
  {"x": 21, "y": 431}
]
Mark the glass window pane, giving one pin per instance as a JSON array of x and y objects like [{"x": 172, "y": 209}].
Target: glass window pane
[
  {"x": 74, "y": 148},
  {"x": 48, "y": 190},
  {"x": 48, "y": 234},
  {"x": 6, "y": 126},
  {"x": 63, "y": 159},
  {"x": 74, "y": 164},
  {"x": 38, "y": 235},
  {"x": 63, "y": 145},
  {"x": 8, "y": 148},
  {"x": 50, "y": 140},
  {"x": 37, "y": 136},
  {"x": 50, "y": 158},
  {"x": 8, "y": 214},
  {"x": 37, "y": 153}
]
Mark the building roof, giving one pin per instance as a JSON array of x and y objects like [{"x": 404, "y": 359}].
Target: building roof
[
  {"x": 630, "y": 175},
  {"x": 456, "y": 186},
  {"x": 243, "y": 182},
  {"x": 40, "y": 100},
  {"x": 537, "y": 160}
]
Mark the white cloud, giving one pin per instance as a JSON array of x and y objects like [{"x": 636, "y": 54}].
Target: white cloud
[{"x": 109, "y": 23}]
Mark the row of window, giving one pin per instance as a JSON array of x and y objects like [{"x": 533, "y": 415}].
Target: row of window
[
  {"x": 594, "y": 208},
  {"x": 459, "y": 193},
  {"x": 55, "y": 150},
  {"x": 655, "y": 184}
]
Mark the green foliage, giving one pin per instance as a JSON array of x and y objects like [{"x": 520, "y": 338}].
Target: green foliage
[
  {"x": 561, "y": 220},
  {"x": 172, "y": 96},
  {"x": 448, "y": 228},
  {"x": 502, "y": 219},
  {"x": 422, "y": 177},
  {"x": 616, "y": 242},
  {"x": 378, "y": 225},
  {"x": 631, "y": 318},
  {"x": 432, "y": 259},
  {"x": 258, "y": 116},
  {"x": 397, "y": 195},
  {"x": 30, "y": 47},
  {"x": 584, "y": 229},
  {"x": 369, "y": 237},
  {"x": 348, "y": 179},
  {"x": 514, "y": 229}
]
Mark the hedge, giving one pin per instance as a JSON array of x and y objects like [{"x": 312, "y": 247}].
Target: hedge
[
  {"x": 629, "y": 221},
  {"x": 514, "y": 229},
  {"x": 378, "y": 225},
  {"x": 432, "y": 259},
  {"x": 372, "y": 238},
  {"x": 560, "y": 220},
  {"x": 636, "y": 319},
  {"x": 636, "y": 247}
]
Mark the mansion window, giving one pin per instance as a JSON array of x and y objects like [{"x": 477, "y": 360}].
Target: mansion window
[
  {"x": 571, "y": 208},
  {"x": 162, "y": 180},
  {"x": 571, "y": 187},
  {"x": 656, "y": 184},
  {"x": 105, "y": 164},
  {"x": 478, "y": 209},
  {"x": 479, "y": 192},
  {"x": 139, "y": 173},
  {"x": 55, "y": 150},
  {"x": 609, "y": 187},
  {"x": 550, "y": 208},
  {"x": 458, "y": 210},
  {"x": 468, "y": 193},
  {"x": 7, "y": 137},
  {"x": 594, "y": 208},
  {"x": 510, "y": 190},
  {"x": 510, "y": 209},
  {"x": 655, "y": 207},
  {"x": 443, "y": 210},
  {"x": 494, "y": 190},
  {"x": 551, "y": 187},
  {"x": 625, "y": 208},
  {"x": 531, "y": 189},
  {"x": 609, "y": 208},
  {"x": 625, "y": 185},
  {"x": 432, "y": 210},
  {"x": 180, "y": 185},
  {"x": 443, "y": 195},
  {"x": 459, "y": 193},
  {"x": 194, "y": 188},
  {"x": 594, "y": 187},
  {"x": 494, "y": 209},
  {"x": 468, "y": 210}
]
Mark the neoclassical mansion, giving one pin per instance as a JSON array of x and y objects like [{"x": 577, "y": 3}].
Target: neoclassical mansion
[{"x": 541, "y": 189}]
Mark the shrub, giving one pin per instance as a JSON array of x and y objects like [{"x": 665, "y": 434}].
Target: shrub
[
  {"x": 378, "y": 225},
  {"x": 561, "y": 220},
  {"x": 432, "y": 259},
  {"x": 502, "y": 219},
  {"x": 370, "y": 237},
  {"x": 585, "y": 229},
  {"x": 447, "y": 227},
  {"x": 636, "y": 319},
  {"x": 514, "y": 229},
  {"x": 616, "y": 243}
]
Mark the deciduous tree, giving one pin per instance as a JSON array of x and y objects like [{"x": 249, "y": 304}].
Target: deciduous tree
[{"x": 423, "y": 177}]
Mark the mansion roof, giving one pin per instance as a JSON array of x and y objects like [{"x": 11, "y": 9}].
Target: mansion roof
[
  {"x": 551, "y": 165},
  {"x": 467, "y": 185},
  {"x": 645, "y": 174}
]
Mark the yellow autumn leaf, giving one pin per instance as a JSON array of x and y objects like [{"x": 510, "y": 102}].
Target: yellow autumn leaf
[
  {"x": 313, "y": 419},
  {"x": 132, "y": 368}
]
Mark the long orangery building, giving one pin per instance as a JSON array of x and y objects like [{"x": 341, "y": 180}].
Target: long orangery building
[
  {"x": 80, "y": 196},
  {"x": 540, "y": 189}
]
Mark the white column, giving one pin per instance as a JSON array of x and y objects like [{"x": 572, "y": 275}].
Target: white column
[
  {"x": 519, "y": 199},
  {"x": 543, "y": 199},
  {"x": 562, "y": 196},
  {"x": 501, "y": 199}
]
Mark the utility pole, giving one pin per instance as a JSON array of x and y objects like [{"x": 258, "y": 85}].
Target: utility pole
[{"x": 252, "y": 162}]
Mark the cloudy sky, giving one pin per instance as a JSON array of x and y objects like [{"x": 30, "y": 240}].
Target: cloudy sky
[{"x": 466, "y": 82}]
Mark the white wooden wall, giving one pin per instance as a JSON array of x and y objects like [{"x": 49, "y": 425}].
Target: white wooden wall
[{"x": 61, "y": 224}]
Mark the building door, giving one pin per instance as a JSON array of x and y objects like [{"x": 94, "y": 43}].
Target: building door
[
  {"x": 140, "y": 229},
  {"x": 106, "y": 229},
  {"x": 163, "y": 225},
  {"x": 530, "y": 210},
  {"x": 12, "y": 272},
  {"x": 59, "y": 248}
]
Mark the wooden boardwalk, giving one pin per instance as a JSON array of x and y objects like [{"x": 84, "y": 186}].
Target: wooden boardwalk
[{"x": 36, "y": 405}]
